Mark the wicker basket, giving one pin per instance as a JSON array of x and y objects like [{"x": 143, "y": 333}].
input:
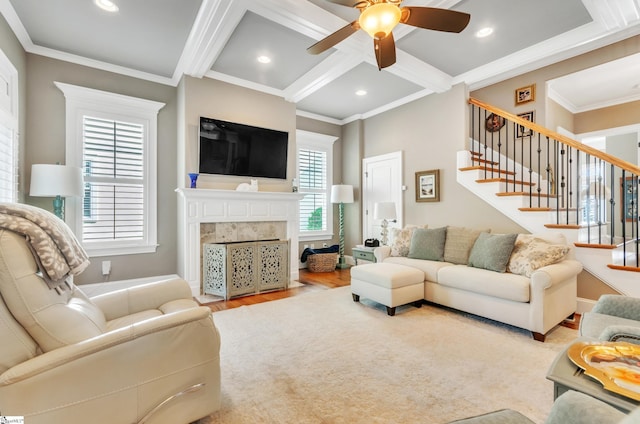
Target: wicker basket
[{"x": 322, "y": 262}]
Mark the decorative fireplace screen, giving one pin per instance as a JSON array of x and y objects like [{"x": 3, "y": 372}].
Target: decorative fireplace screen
[{"x": 241, "y": 268}]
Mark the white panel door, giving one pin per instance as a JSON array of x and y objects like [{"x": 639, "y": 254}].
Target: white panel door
[{"x": 382, "y": 182}]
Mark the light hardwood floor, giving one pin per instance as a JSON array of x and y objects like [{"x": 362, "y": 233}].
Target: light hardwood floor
[{"x": 311, "y": 281}]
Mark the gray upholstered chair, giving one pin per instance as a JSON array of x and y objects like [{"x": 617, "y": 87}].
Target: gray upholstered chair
[
  {"x": 570, "y": 408},
  {"x": 146, "y": 354},
  {"x": 613, "y": 318}
]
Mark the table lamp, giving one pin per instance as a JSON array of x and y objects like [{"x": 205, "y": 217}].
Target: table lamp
[
  {"x": 341, "y": 194},
  {"x": 58, "y": 181},
  {"x": 386, "y": 211}
]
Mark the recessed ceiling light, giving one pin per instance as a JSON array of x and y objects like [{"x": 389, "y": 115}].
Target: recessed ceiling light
[
  {"x": 361, "y": 93},
  {"x": 484, "y": 32},
  {"x": 107, "y": 5},
  {"x": 264, "y": 59}
]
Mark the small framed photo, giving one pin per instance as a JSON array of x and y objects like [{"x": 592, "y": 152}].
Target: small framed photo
[
  {"x": 428, "y": 186},
  {"x": 525, "y": 94},
  {"x": 521, "y": 130}
]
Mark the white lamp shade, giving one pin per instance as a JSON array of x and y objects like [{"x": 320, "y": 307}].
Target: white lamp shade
[
  {"x": 384, "y": 210},
  {"x": 56, "y": 180},
  {"x": 342, "y": 193}
]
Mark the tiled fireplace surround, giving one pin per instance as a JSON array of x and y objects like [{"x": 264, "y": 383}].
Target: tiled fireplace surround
[{"x": 213, "y": 216}]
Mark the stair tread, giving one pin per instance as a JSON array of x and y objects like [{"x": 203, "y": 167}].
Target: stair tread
[
  {"x": 535, "y": 209},
  {"x": 504, "y": 180},
  {"x": 595, "y": 246},
  {"x": 624, "y": 267},
  {"x": 524, "y": 193},
  {"x": 480, "y": 160},
  {"x": 484, "y": 168},
  {"x": 567, "y": 226}
]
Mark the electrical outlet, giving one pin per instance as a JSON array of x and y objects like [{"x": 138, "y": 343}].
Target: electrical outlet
[
  {"x": 325, "y": 245},
  {"x": 106, "y": 267}
]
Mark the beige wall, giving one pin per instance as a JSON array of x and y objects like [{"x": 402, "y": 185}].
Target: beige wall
[
  {"x": 45, "y": 143},
  {"x": 216, "y": 99},
  {"x": 609, "y": 117},
  {"x": 502, "y": 94},
  {"x": 429, "y": 132}
]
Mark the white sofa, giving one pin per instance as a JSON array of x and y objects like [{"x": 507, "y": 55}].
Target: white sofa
[{"x": 537, "y": 303}]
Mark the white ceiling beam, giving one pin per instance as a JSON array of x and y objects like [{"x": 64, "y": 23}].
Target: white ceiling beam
[
  {"x": 322, "y": 74},
  {"x": 613, "y": 14},
  {"x": 214, "y": 24}
]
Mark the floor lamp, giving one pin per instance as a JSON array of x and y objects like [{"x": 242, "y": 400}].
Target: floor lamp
[
  {"x": 341, "y": 194},
  {"x": 57, "y": 181},
  {"x": 386, "y": 211}
]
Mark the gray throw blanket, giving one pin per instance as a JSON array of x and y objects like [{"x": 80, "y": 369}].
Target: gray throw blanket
[{"x": 55, "y": 248}]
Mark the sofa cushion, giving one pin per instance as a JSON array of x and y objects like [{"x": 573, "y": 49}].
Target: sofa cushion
[
  {"x": 500, "y": 285},
  {"x": 428, "y": 244},
  {"x": 531, "y": 254},
  {"x": 458, "y": 244},
  {"x": 430, "y": 268},
  {"x": 492, "y": 251},
  {"x": 400, "y": 239}
]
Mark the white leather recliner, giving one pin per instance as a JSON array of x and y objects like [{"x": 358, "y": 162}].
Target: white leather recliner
[{"x": 148, "y": 354}]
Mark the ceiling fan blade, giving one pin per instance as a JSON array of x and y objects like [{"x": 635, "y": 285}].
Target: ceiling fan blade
[
  {"x": 348, "y": 3},
  {"x": 333, "y": 39},
  {"x": 435, "y": 19},
  {"x": 385, "y": 50}
]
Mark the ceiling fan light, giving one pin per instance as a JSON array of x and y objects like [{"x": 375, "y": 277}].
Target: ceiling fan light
[{"x": 380, "y": 19}]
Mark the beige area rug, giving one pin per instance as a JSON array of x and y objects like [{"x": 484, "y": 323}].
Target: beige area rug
[{"x": 322, "y": 358}]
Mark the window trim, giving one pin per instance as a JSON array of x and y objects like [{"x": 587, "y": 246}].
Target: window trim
[
  {"x": 80, "y": 101},
  {"x": 323, "y": 142}
]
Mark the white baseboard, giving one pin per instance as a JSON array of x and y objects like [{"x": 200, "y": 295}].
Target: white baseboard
[{"x": 95, "y": 289}]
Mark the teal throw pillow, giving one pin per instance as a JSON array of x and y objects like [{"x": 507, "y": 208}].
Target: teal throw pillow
[
  {"x": 428, "y": 244},
  {"x": 492, "y": 251}
]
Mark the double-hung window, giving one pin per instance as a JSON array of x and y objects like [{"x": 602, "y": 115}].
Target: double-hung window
[
  {"x": 315, "y": 171},
  {"x": 8, "y": 130},
  {"x": 113, "y": 139}
]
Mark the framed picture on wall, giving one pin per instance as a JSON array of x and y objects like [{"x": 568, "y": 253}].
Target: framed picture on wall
[
  {"x": 428, "y": 186},
  {"x": 629, "y": 198},
  {"x": 521, "y": 130},
  {"x": 525, "y": 94}
]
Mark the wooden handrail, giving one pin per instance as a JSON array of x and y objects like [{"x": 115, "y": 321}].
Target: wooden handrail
[{"x": 629, "y": 167}]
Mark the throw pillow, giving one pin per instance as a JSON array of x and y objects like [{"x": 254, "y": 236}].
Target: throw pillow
[
  {"x": 459, "y": 243},
  {"x": 527, "y": 256},
  {"x": 428, "y": 244},
  {"x": 492, "y": 251},
  {"x": 400, "y": 239}
]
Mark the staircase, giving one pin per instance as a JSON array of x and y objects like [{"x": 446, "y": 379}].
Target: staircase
[{"x": 547, "y": 182}]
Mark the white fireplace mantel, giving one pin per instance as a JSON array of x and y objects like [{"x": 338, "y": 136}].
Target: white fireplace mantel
[{"x": 198, "y": 206}]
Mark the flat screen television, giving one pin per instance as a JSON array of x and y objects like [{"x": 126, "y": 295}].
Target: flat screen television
[{"x": 228, "y": 148}]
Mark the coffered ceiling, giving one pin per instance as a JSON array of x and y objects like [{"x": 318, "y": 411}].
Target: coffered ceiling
[{"x": 161, "y": 40}]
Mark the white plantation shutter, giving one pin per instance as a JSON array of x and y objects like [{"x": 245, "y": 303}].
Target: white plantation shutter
[
  {"x": 113, "y": 159},
  {"x": 315, "y": 171},
  {"x": 8, "y": 130},
  {"x": 8, "y": 162},
  {"x": 313, "y": 183}
]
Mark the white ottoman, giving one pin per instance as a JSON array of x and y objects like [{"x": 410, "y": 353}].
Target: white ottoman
[{"x": 389, "y": 284}]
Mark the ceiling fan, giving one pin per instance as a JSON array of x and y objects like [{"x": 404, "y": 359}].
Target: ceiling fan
[{"x": 379, "y": 17}]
